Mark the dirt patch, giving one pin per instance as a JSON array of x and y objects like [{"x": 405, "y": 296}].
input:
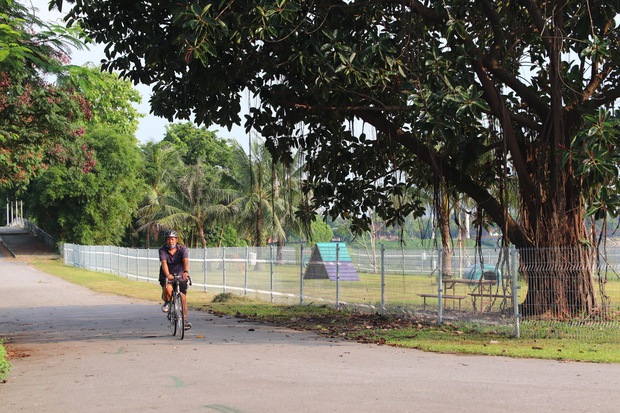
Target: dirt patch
[
  {"x": 362, "y": 327},
  {"x": 346, "y": 326},
  {"x": 16, "y": 353}
]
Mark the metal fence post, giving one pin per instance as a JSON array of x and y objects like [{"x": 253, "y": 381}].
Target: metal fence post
[
  {"x": 301, "y": 274},
  {"x": 337, "y": 276},
  {"x": 383, "y": 279},
  {"x": 224, "y": 269},
  {"x": 439, "y": 287},
  {"x": 118, "y": 260},
  {"x": 147, "y": 254},
  {"x": 515, "y": 290},
  {"x": 271, "y": 271},
  {"x": 245, "y": 270},
  {"x": 204, "y": 270}
]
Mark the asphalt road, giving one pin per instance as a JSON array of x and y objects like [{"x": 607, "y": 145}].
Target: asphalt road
[{"x": 74, "y": 350}]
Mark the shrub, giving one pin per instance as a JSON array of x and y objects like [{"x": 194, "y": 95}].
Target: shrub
[{"x": 5, "y": 366}]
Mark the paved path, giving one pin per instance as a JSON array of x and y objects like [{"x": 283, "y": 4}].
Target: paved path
[{"x": 74, "y": 350}]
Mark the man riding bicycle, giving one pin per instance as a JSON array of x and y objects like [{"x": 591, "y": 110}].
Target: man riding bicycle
[{"x": 174, "y": 261}]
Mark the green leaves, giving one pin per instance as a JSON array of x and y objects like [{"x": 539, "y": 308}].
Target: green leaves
[
  {"x": 598, "y": 49},
  {"x": 93, "y": 208},
  {"x": 595, "y": 156},
  {"x": 35, "y": 117},
  {"x": 470, "y": 100}
]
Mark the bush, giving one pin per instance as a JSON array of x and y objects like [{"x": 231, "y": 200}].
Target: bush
[
  {"x": 5, "y": 366},
  {"x": 230, "y": 298}
]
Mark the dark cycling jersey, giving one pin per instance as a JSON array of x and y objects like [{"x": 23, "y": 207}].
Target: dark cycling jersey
[{"x": 175, "y": 262}]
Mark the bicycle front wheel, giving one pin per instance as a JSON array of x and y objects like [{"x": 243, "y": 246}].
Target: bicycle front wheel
[
  {"x": 180, "y": 317},
  {"x": 172, "y": 315}
]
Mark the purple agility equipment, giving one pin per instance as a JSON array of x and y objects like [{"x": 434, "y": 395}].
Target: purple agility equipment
[{"x": 323, "y": 263}]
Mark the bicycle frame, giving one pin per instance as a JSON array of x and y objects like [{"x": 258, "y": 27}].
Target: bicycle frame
[{"x": 176, "y": 314}]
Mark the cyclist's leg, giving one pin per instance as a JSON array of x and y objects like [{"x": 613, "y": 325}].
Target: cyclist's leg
[
  {"x": 184, "y": 298},
  {"x": 172, "y": 316},
  {"x": 166, "y": 290},
  {"x": 183, "y": 288}
]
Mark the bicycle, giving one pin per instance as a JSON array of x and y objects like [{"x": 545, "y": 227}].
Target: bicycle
[{"x": 176, "y": 316}]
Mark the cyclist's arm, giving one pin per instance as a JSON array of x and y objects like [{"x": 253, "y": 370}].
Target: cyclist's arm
[
  {"x": 164, "y": 266},
  {"x": 185, "y": 268}
]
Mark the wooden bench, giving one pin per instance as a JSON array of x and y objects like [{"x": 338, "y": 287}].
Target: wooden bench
[{"x": 445, "y": 297}]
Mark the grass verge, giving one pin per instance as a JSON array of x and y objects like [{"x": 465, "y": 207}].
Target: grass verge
[{"x": 462, "y": 338}]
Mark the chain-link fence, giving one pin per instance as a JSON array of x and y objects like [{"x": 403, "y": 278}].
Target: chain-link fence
[{"x": 529, "y": 293}]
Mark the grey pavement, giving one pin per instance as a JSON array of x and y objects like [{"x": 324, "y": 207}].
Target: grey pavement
[{"x": 74, "y": 350}]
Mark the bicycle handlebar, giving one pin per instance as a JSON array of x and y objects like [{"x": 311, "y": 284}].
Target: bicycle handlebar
[{"x": 179, "y": 278}]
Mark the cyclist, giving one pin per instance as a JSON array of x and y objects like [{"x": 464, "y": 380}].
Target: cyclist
[{"x": 174, "y": 260}]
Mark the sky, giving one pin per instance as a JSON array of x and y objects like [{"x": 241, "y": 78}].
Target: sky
[{"x": 151, "y": 128}]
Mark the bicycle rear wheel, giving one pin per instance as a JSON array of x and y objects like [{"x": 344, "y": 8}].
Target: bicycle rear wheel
[{"x": 180, "y": 317}]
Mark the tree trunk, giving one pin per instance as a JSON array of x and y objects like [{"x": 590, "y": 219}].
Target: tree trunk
[
  {"x": 280, "y": 251},
  {"x": 201, "y": 234},
  {"x": 259, "y": 238},
  {"x": 442, "y": 205},
  {"x": 560, "y": 283},
  {"x": 259, "y": 224},
  {"x": 558, "y": 267}
]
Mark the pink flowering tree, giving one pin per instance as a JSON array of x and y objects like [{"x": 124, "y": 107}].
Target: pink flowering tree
[{"x": 40, "y": 123}]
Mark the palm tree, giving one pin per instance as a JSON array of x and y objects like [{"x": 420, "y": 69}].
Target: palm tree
[
  {"x": 195, "y": 202},
  {"x": 161, "y": 161},
  {"x": 266, "y": 193}
]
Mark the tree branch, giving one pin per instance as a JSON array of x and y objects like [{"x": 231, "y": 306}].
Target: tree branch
[
  {"x": 425, "y": 12},
  {"x": 592, "y": 87},
  {"x": 537, "y": 19},
  {"x": 606, "y": 98},
  {"x": 461, "y": 181},
  {"x": 530, "y": 195},
  {"x": 529, "y": 96}
]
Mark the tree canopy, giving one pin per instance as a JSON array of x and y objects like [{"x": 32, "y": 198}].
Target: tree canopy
[
  {"x": 199, "y": 145},
  {"x": 92, "y": 208},
  {"x": 481, "y": 96},
  {"x": 93, "y": 201},
  {"x": 455, "y": 85}
]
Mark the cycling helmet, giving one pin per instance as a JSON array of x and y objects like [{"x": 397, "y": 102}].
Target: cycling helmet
[{"x": 171, "y": 233}]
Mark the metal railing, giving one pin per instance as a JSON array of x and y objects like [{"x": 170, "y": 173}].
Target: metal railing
[{"x": 47, "y": 238}]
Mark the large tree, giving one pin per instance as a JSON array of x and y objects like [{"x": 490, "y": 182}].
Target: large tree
[
  {"x": 93, "y": 201},
  {"x": 258, "y": 200},
  {"x": 197, "y": 145},
  {"x": 184, "y": 173},
  {"x": 93, "y": 208},
  {"x": 194, "y": 201},
  {"x": 38, "y": 119},
  {"x": 479, "y": 92}
]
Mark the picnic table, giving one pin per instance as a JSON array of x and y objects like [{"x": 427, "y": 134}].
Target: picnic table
[
  {"x": 449, "y": 291},
  {"x": 481, "y": 289}
]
